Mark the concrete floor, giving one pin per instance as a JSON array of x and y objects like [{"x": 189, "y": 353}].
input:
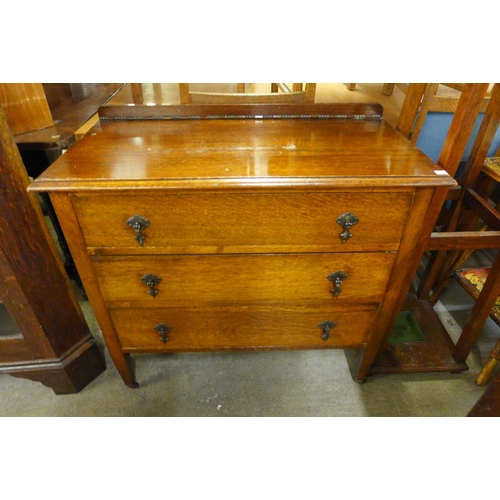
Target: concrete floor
[{"x": 274, "y": 383}]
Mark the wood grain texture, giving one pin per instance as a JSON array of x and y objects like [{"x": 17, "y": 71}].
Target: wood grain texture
[
  {"x": 251, "y": 327},
  {"x": 464, "y": 118},
  {"x": 36, "y": 289},
  {"x": 200, "y": 154},
  {"x": 25, "y": 106},
  {"x": 410, "y": 108},
  {"x": 32, "y": 256},
  {"x": 243, "y": 230},
  {"x": 232, "y": 279},
  {"x": 244, "y": 220},
  {"x": 418, "y": 224},
  {"x": 71, "y": 105}
]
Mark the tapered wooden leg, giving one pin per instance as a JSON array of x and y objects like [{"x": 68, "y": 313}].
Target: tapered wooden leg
[
  {"x": 123, "y": 363},
  {"x": 70, "y": 226}
]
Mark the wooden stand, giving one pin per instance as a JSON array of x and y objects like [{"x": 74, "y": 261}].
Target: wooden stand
[
  {"x": 457, "y": 223},
  {"x": 54, "y": 344},
  {"x": 432, "y": 355}
]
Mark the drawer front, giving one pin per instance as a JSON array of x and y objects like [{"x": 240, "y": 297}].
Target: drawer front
[
  {"x": 252, "y": 327},
  {"x": 184, "y": 281},
  {"x": 214, "y": 222}
]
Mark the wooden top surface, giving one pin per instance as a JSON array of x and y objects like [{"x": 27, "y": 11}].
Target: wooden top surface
[
  {"x": 71, "y": 105},
  {"x": 310, "y": 153}
]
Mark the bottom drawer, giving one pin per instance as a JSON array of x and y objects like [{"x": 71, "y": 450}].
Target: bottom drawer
[{"x": 241, "y": 327}]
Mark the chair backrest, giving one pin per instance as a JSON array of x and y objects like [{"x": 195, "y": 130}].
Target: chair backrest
[
  {"x": 423, "y": 101},
  {"x": 440, "y": 125},
  {"x": 287, "y": 96},
  {"x": 457, "y": 219},
  {"x": 437, "y": 110}
]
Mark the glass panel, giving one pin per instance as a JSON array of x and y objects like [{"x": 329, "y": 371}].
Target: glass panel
[{"x": 7, "y": 325}]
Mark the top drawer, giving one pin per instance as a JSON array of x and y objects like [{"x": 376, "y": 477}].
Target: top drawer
[{"x": 217, "y": 223}]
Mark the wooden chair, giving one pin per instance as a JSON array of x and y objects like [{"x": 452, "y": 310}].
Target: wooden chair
[
  {"x": 462, "y": 213},
  {"x": 388, "y": 88},
  {"x": 156, "y": 92},
  {"x": 424, "y": 105},
  {"x": 443, "y": 104},
  {"x": 461, "y": 232},
  {"x": 473, "y": 280},
  {"x": 449, "y": 238},
  {"x": 298, "y": 95}
]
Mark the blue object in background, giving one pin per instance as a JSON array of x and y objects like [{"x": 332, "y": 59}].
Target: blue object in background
[{"x": 435, "y": 129}]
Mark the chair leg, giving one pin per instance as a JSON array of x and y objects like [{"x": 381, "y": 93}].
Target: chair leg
[{"x": 489, "y": 366}]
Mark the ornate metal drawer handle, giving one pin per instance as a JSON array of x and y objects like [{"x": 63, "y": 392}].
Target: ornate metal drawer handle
[
  {"x": 337, "y": 278},
  {"x": 151, "y": 280},
  {"x": 327, "y": 325},
  {"x": 138, "y": 223},
  {"x": 163, "y": 329},
  {"x": 346, "y": 220}
]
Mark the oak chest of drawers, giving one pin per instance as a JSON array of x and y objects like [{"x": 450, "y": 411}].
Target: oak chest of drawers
[{"x": 252, "y": 233}]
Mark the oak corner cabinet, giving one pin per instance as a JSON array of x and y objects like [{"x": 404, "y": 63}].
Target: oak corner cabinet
[
  {"x": 224, "y": 233},
  {"x": 43, "y": 333}
]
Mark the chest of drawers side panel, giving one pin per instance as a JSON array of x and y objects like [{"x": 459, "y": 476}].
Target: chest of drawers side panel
[{"x": 71, "y": 229}]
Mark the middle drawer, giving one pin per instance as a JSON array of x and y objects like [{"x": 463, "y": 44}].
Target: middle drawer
[{"x": 187, "y": 280}]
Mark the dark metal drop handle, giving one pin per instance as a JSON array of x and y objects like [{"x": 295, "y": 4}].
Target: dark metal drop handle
[
  {"x": 346, "y": 220},
  {"x": 163, "y": 329},
  {"x": 138, "y": 223},
  {"x": 151, "y": 280},
  {"x": 337, "y": 278},
  {"x": 327, "y": 325}
]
